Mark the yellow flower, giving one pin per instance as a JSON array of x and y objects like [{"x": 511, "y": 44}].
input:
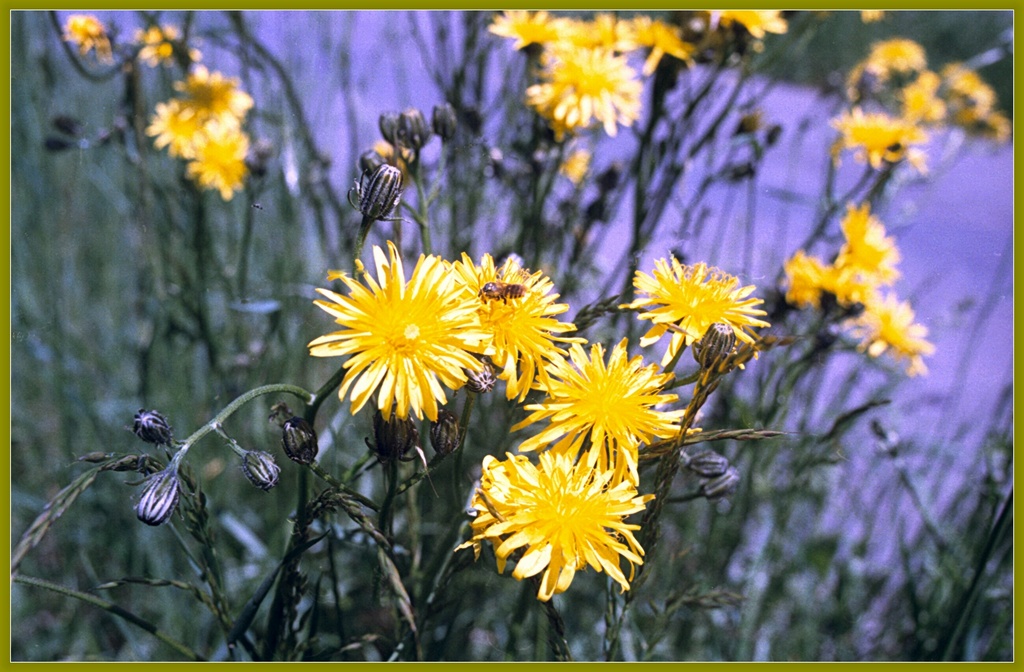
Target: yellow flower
[
  {"x": 158, "y": 45},
  {"x": 887, "y": 324},
  {"x": 871, "y": 15},
  {"x": 805, "y": 279},
  {"x": 605, "y": 410},
  {"x": 877, "y": 136},
  {"x": 86, "y": 31},
  {"x": 564, "y": 516},
  {"x": 524, "y": 330},
  {"x": 995, "y": 126},
  {"x": 402, "y": 337},
  {"x": 920, "y": 100},
  {"x": 176, "y": 128},
  {"x": 895, "y": 56},
  {"x": 527, "y": 27},
  {"x": 662, "y": 39},
  {"x": 606, "y": 31},
  {"x": 867, "y": 249},
  {"x": 580, "y": 84},
  {"x": 693, "y": 298},
  {"x": 972, "y": 102},
  {"x": 213, "y": 95},
  {"x": 575, "y": 166},
  {"x": 756, "y": 21},
  {"x": 219, "y": 159}
]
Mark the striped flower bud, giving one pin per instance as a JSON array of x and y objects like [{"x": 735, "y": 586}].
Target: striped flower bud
[
  {"x": 483, "y": 381},
  {"x": 708, "y": 464},
  {"x": 444, "y": 433},
  {"x": 299, "y": 441},
  {"x": 159, "y": 497},
  {"x": 152, "y": 427},
  {"x": 413, "y": 130},
  {"x": 721, "y": 486},
  {"x": 717, "y": 344},
  {"x": 261, "y": 469},
  {"x": 379, "y": 192},
  {"x": 393, "y": 439},
  {"x": 444, "y": 121}
]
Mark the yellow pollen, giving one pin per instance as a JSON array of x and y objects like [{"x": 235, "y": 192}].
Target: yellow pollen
[{"x": 412, "y": 332}]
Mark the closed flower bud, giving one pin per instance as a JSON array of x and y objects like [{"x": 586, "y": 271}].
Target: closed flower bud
[
  {"x": 715, "y": 346},
  {"x": 721, "y": 486},
  {"x": 299, "y": 441},
  {"x": 444, "y": 121},
  {"x": 413, "y": 130},
  {"x": 444, "y": 433},
  {"x": 708, "y": 464},
  {"x": 393, "y": 439},
  {"x": 388, "y": 123},
  {"x": 152, "y": 427},
  {"x": 481, "y": 382},
  {"x": 159, "y": 498},
  {"x": 261, "y": 469},
  {"x": 370, "y": 161},
  {"x": 379, "y": 192}
]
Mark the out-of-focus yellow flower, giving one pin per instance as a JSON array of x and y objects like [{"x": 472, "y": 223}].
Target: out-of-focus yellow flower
[
  {"x": 691, "y": 299},
  {"x": 877, "y": 137},
  {"x": 971, "y": 103},
  {"x": 88, "y": 33},
  {"x": 608, "y": 410},
  {"x": 805, "y": 280},
  {"x": 175, "y": 127},
  {"x": 564, "y": 515},
  {"x": 662, "y": 39},
  {"x": 528, "y": 28},
  {"x": 756, "y": 21},
  {"x": 580, "y": 85},
  {"x": 895, "y": 56},
  {"x": 920, "y": 99},
  {"x": 403, "y": 338},
  {"x": 575, "y": 166},
  {"x": 219, "y": 159},
  {"x": 871, "y": 15},
  {"x": 606, "y": 31},
  {"x": 211, "y": 94},
  {"x": 995, "y": 126},
  {"x": 887, "y": 324},
  {"x": 867, "y": 249},
  {"x": 158, "y": 45},
  {"x": 524, "y": 330}
]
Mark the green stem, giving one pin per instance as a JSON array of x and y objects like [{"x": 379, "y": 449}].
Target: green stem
[
  {"x": 338, "y": 485},
  {"x": 113, "y": 609}
]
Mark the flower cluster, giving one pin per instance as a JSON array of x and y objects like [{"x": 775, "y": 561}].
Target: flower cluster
[
  {"x": 158, "y": 44},
  {"x": 204, "y": 126},
  {"x": 586, "y": 77},
  {"x": 408, "y": 339},
  {"x": 905, "y": 98},
  {"x": 865, "y": 264}
]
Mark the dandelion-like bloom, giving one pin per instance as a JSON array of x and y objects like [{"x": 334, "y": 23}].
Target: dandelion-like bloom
[
  {"x": 158, "y": 45},
  {"x": 662, "y": 39},
  {"x": 867, "y": 249},
  {"x": 693, "y": 298},
  {"x": 887, "y": 324},
  {"x": 895, "y": 56},
  {"x": 175, "y": 127},
  {"x": 805, "y": 276},
  {"x": 527, "y": 28},
  {"x": 612, "y": 405},
  {"x": 605, "y": 31},
  {"x": 581, "y": 84},
  {"x": 404, "y": 338},
  {"x": 920, "y": 99},
  {"x": 972, "y": 102},
  {"x": 211, "y": 94},
  {"x": 564, "y": 516},
  {"x": 219, "y": 159},
  {"x": 756, "y": 21},
  {"x": 575, "y": 166},
  {"x": 88, "y": 33},
  {"x": 877, "y": 137},
  {"x": 524, "y": 330}
]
